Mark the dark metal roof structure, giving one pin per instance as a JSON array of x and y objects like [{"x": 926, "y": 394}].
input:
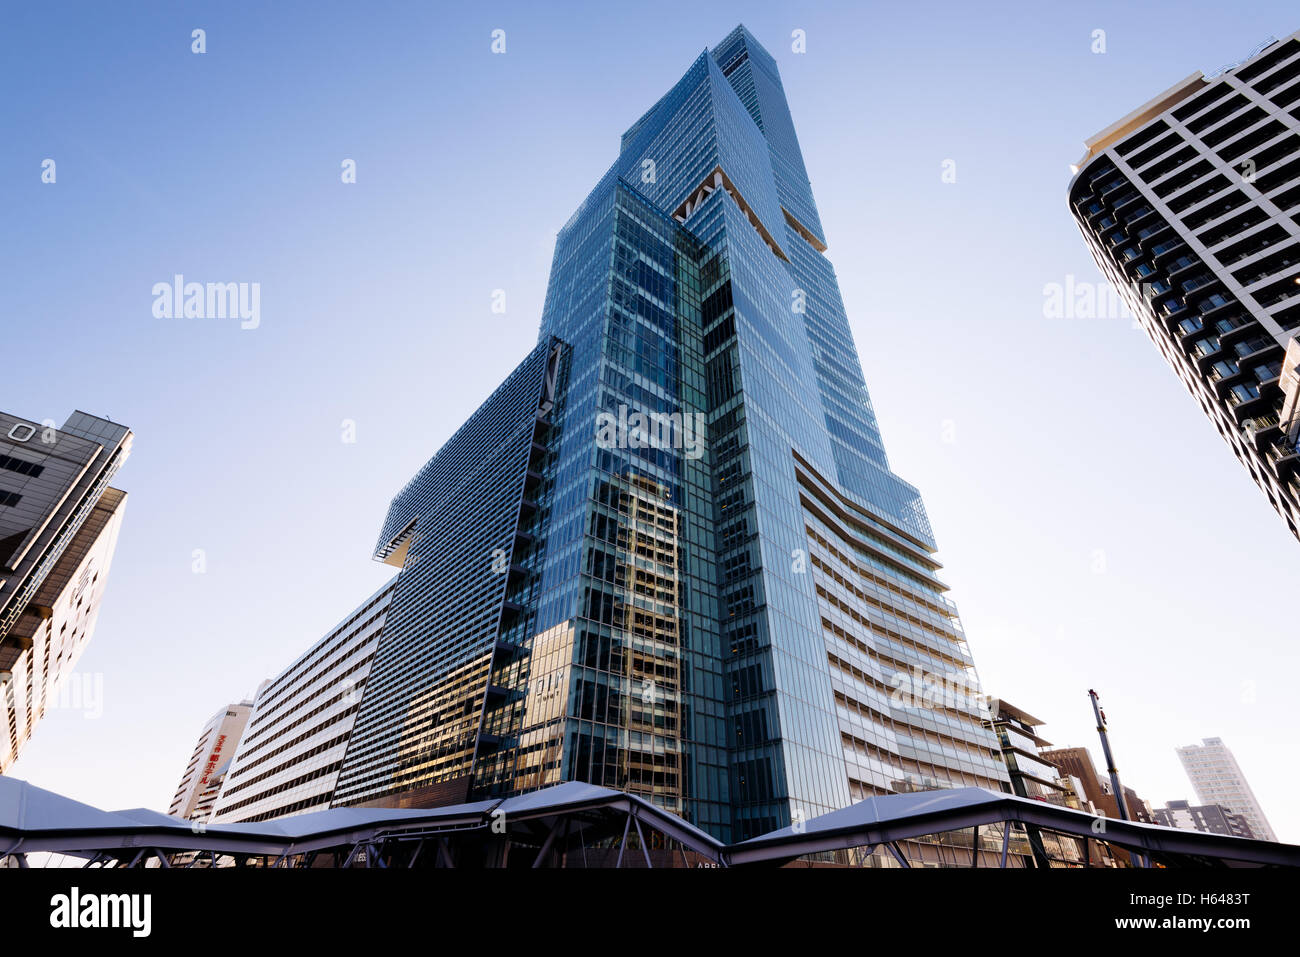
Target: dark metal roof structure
[
  {"x": 883, "y": 821},
  {"x": 35, "y": 820}
]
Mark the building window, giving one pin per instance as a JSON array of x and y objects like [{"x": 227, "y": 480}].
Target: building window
[
  {"x": 9, "y": 498},
  {"x": 21, "y": 467}
]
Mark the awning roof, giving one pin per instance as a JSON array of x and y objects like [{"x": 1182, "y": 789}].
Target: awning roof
[
  {"x": 33, "y": 819},
  {"x": 897, "y": 817}
]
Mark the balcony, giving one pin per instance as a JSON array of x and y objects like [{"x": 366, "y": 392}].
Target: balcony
[
  {"x": 1263, "y": 430},
  {"x": 1152, "y": 291},
  {"x": 1199, "y": 281},
  {"x": 1167, "y": 246},
  {"x": 1174, "y": 312},
  {"x": 1121, "y": 201},
  {"x": 1203, "y": 347},
  {"x": 1254, "y": 349},
  {"x": 1224, "y": 370},
  {"x": 1285, "y": 457},
  {"x": 1246, "y": 399},
  {"x": 1207, "y": 306},
  {"x": 1231, "y": 327},
  {"x": 1152, "y": 230},
  {"x": 1137, "y": 215}
]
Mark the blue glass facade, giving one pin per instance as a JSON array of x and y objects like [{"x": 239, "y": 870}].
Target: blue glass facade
[
  {"x": 717, "y": 586},
  {"x": 453, "y": 530}
]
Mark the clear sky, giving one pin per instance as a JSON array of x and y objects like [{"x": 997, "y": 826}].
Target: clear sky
[{"x": 1095, "y": 529}]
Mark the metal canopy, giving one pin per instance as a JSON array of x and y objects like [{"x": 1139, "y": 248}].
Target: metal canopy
[
  {"x": 896, "y": 817},
  {"x": 33, "y": 819}
]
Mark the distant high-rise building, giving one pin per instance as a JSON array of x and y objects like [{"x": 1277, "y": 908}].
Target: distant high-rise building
[
  {"x": 216, "y": 746},
  {"x": 1211, "y": 818},
  {"x": 669, "y": 555},
  {"x": 289, "y": 755},
  {"x": 1218, "y": 779},
  {"x": 59, "y": 522},
  {"x": 1191, "y": 207}
]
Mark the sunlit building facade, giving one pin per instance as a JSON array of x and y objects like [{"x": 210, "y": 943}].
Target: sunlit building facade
[
  {"x": 289, "y": 756},
  {"x": 209, "y": 761},
  {"x": 59, "y": 523}
]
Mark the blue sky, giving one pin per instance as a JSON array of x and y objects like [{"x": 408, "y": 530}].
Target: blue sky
[{"x": 1095, "y": 529}]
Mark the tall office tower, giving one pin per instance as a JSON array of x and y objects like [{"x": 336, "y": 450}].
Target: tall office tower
[
  {"x": 217, "y": 743},
  {"x": 1191, "y": 207},
  {"x": 59, "y": 522},
  {"x": 669, "y": 555},
  {"x": 289, "y": 755},
  {"x": 1217, "y": 779}
]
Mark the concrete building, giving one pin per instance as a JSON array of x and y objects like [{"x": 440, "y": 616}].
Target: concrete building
[
  {"x": 217, "y": 743},
  {"x": 59, "y": 522},
  {"x": 1217, "y": 779},
  {"x": 1211, "y": 818},
  {"x": 1190, "y": 206},
  {"x": 288, "y": 758}
]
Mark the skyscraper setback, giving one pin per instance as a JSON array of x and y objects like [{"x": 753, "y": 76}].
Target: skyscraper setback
[
  {"x": 729, "y": 627},
  {"x": 1190, "y": 206}
]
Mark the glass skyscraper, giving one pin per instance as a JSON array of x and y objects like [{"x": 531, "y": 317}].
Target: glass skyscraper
[{"x": 668, "y": 555}]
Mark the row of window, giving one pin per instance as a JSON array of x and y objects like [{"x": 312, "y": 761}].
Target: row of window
[{"x": 21, "y": 467}]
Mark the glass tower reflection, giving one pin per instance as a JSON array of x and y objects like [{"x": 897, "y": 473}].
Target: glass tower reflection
[{"x": 729, "y": 620}]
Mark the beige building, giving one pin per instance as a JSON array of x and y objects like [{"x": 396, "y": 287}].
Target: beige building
[
  {"x": 217, "y": 744},
  {"x": 1218, "y": 779},
  {"x": 60, "y": 621},
  {"x": 59, "y": 522}
]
